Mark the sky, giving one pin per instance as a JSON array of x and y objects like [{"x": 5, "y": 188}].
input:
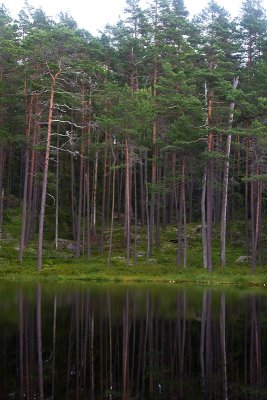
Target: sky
[{"x": 93, "y": 15}]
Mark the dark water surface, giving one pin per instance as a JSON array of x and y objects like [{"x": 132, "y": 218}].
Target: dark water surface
[{"x": 136, "y": 342}]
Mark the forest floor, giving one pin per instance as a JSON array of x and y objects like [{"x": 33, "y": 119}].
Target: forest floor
[{"x": 62, "y": 265}]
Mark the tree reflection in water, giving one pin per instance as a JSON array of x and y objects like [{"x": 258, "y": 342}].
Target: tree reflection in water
[{"x": 132, "y": 344}]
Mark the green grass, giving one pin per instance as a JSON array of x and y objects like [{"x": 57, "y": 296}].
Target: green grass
[{"x": 63, "y": 266}]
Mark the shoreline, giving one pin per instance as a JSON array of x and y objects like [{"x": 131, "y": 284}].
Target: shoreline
[{"x": 152, "y": 274}]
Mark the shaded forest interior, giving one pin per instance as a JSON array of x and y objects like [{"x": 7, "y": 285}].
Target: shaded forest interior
[{"x": 157, "y": 125}]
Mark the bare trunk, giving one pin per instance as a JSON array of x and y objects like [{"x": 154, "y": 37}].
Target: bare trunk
[
  {"x": 142, "y": 192},
  {"x": 209, "y": 195},
  {"x": 246, "y": 198},
  {"x": 203, "y": 218},
  {"x": 57, "y": 195},
  {"x": 135, "y": 217},
  {"x": 32, "y": 186},
  {"x": 184, "y": 212},
  {"x": 253, "y": 249},
  {"x": 127, "y": 201},
  {"x": 94, "y": 193},
  {"x": 73, "y": 208},
  {"x": 147, "y": 211},
  {"x": 154, "y": 166},
  {"x": 226, "y": 179},
  {"x": 45, "y": 173},
  {"x": 1, "y": 189},
  {"x": 87, "y": 179},
  {"x": 25, "y": 188},
  {"x": 209, "y": 215},
  {"x": 81, "y": 186},
  {"x": 104, "y": 197},
  {"x": 112, "y": 211}
]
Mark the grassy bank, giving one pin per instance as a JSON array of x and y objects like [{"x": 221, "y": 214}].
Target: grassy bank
[
  {"x": 152, "y": 273},
  {"x": 63, "y": 266}
]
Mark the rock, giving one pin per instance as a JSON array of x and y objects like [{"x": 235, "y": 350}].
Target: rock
[
  {"x": 141, "y": 254},
  {"x": 243, "y": 259},
  {"x": 65, "y": 244},
  {"x": 198, "y": 229}
]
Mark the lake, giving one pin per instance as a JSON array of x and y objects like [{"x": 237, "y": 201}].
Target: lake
[{"x": 132, "y": 342}]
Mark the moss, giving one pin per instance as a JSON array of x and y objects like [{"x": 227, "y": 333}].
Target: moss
[{"x": 63, "y": 266}]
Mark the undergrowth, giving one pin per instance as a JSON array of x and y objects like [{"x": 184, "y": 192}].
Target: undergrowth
[{"x": 63, "y": 266}]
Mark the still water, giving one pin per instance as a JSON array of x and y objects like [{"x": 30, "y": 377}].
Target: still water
[{"x": 136, "y": 342}]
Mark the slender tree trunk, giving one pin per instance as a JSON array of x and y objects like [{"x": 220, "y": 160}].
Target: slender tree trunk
[
  {"x": 246, "y": 198},
  {"x": 104, "y": 197},
  {"x": 226, "y": 179},
  {"x": 57, "y": 195},
  {"x": 252, "y": 211},
  {"x": 154, "y": 167},
  {"x": 31, "y": 204},
  {"x": 1, "y": 189},
  {"x": 203, "y": 218},
  {"x": 95, "y": 191},
  {"x": 164, "y": 196},
  {"x": 184, "y": 212},
  {"x": 135, "y": 217},
  {"x": 209, "y": 195},
  {"x": 25, "y": 188},
  {"x": 147, "y": 210},
  {"x": 45, "y": 173},
  {"x": 258, "y": 213},
  {"x": 73, "y": 208},
  {"x": 179, "y": 227},
  {"x": 112, "y": 211},
  {"x": 173, "y": 192},
  {"x": 87, "y": 177},
  {"x": 142, "y": 191},
  {"x": 158, "y": 208},
  {"x": 127, "y": 200},
  {"x": 81, "y": 186}
]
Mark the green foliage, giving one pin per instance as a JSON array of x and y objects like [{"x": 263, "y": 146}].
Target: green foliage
[{"x": 155, "y": 80}]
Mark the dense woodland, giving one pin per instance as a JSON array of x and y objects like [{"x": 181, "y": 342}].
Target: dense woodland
[{"x": 158, "y": 121}]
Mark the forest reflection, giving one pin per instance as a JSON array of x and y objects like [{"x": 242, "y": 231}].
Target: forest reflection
[{"x": 132, "y": 344}]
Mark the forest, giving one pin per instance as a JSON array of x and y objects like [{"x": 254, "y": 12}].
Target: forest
[{"x": 157, "y": 122}]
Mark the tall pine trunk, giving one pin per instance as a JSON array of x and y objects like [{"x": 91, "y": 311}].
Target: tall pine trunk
[
  {"x": 127, "y": 200},
  {"x": 45, "y": 173},
  {"x": 226, "y": 178},
  {"x": 81, "y": 182},
  {"x": 1, "y": 189},
  {"x": 26, "y": 179}
]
